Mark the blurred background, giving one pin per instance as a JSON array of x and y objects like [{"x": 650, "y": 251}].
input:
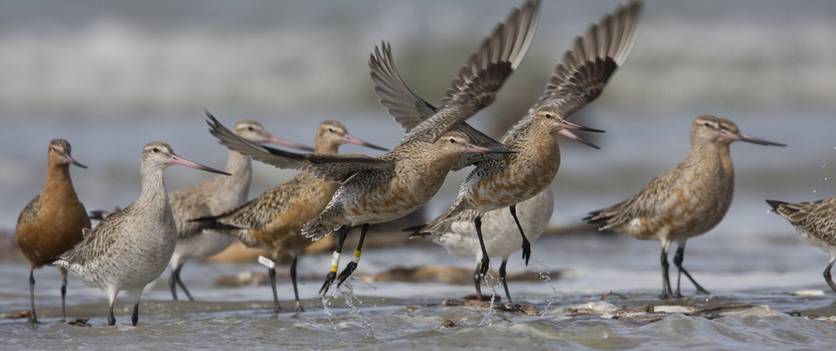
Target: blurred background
[{"x": 111, "y": 76}]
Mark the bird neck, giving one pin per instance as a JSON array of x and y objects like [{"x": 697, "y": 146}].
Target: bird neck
[
  {"x": 241, "y": 168},
  {"x": 324, "y": 147},
  {"x": 58, "y": 182},
  {"x": 154, "y": 194}
]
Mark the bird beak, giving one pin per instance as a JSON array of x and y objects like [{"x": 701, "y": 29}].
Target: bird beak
[
  {"x": 349, "y": 139},
  {"x": 570, "y": 135},
  {"x": 478, "y": 149},
  {"x": 69, "y": 159},
  {"x": 177, "y": 160},
  {"x": 744, "y": 137},
  {"x": 570, "y": 125},
  {"x": 278, "y": 141}
]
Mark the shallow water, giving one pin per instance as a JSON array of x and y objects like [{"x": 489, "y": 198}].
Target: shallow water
[{"x": 377, "y": 314}]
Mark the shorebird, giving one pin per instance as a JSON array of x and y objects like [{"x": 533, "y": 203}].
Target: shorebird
[
  {"x": 213, "y": 197},
  {"x": 501, "y": 181},
  {"x": 815, "y": 223},
  {"x": 273, "y": 221},
  {"x": 52, "y": 222},
  {"x": 390, "y": 186},
  {"x": 685, "y": 201},
  {"x": 132, "y": 247},
  {"x": 458, "y": 234}
]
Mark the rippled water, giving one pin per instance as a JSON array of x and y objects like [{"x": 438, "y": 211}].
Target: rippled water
[{"x": 752, "y": 294}]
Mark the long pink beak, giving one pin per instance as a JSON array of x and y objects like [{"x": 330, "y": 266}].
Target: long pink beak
[
  {"x": 478, "y": 149},
  {"x": 286, "y": 143},
  {"x": 348, "y": 138},
  {"x": 177, "y": 160},
  {"x": 743, "y": 137},
  {"x": 70, "y": 159}
]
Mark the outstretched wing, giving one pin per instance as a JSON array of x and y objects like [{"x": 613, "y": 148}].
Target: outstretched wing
[
  {"x": 409, "y": 109},
  {"x": 328, "y": 167},
  {"x": 478, "y": 81},
  {"x": 594, "y": 57}
]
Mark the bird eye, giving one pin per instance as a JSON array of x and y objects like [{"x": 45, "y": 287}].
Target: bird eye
[
  {"x": 707, "y": 124},
  {"x": 452, "y": 141},
  {"x": 250, "y": 128},
  {"x": 155, "y": 150},
  {"x": 331, "y": 130}
]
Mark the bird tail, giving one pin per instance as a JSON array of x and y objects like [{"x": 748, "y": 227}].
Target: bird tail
[
  {"x": 315, "y": 229},
  {"x": 416, "y": 231},
  {"x": 775, "y": 205}
]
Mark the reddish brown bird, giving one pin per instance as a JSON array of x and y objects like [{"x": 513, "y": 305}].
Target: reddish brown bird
[{"x": 53, "y": 221}]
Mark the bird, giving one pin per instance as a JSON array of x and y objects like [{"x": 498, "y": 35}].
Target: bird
[
  {"x": 685, "y": 201},
  {"x": 212, "y": 197},
  {"x": 390, "y": 186},
  {"x": 132, "y": 247},
  {"x": 815, "y": 222},
  {"x": 502, "y": 181},
  {"x": 273, "y": 220},
  {"x": 458, "y": 234},
  {"x": 53, "y": 221}
]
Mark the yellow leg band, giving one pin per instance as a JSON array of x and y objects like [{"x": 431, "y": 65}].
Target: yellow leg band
[
  {"x": 356, "y": 253},
  {"x": 334, "y": 269}
]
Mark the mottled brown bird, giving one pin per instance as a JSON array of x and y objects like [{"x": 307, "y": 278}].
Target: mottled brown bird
[
  {"x": 685, "y": 201},
  {"x": 273, "y": 221},
  {"x": 53, "y": 221},
  {"x": 815, "y": 223},
  {"x": 503, "y": 181}
]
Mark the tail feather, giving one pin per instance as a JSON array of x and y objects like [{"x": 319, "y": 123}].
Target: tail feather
[
  {"x": 596, "y": 217},
  {"x": 315, "y": 229},
  {"x": 775, "y": 205}
]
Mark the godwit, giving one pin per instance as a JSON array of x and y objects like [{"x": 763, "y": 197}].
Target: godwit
[
  {"x": 273, "y": 221},
  {"x": 501, "y": 181},
  {"x": 684, "y": 201},
  {"x": 52, "y": 222},
  {"x": 213, "y": 197},
  {"x": 383, "y": 188},
  {"x": 458, "y": 235},
  {"x": 815, "y": 223},
  {"x": 131, "y": 248}
]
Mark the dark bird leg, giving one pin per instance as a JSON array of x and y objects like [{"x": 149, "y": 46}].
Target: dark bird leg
[
  {"x": 343, "y": 230},
  {"x": 677, "y": 260},
  {"x": 172, "y": 281},
  {"x": 351, "y": 266},
  {"x": 826, "y": 278},
  {"x": 666, "y": 283},
  {"x": 33, "y": 319},
  {"x": 477, "y": 280},
  {"x": 502, "y": 278},
  {"x": 293, "y": 279},
  {"x": 135, "y": 315},
  {"x": 63, "y": 296},
  {"x": 180, "y": 282},
  {"x": 111, "y": 320},
  {"x": 485, "y": 259},
  {"x": 526, "y": 246},
  {"x": 272, "y": 273}
]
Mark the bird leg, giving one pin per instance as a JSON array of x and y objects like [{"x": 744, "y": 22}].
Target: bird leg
[
  {"x": 180, "y": 282},
  {"x": 272, "y": 273},
  {"x": 677, "y": 260},
  {"x": 502, "y": 278},
  {"x": 485, "y": 259},
  {"x": 111, "y": 320},
  {"x": 666, "y": 283},
  {"x": 477, "y": 279},
  {"x": 135, "y": 315},
  {"x": 526, "y": 246},
  {"x": 172, "y": 281},
  {"x": 351, "y": 266},
  {"x": 826, "y": 278},
  {"x": 335, "y": 262},
  {"x": 63, "y": 296},
  {"x": 33, "y": 319},
  {"x": 293, "y": 279}
]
